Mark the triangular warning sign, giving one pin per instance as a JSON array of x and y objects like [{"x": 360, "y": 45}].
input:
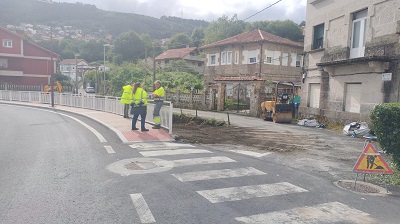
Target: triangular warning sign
[{"x": 371, "y": 161}]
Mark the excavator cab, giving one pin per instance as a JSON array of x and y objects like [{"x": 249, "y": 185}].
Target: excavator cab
[{"x": 280, "y": 110}]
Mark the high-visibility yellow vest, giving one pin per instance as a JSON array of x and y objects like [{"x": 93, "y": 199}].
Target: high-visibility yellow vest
[
  {"x": 160, "y": 93},
  {"x": 140, "y": 95},
  {"x": 126, "y": 97}
]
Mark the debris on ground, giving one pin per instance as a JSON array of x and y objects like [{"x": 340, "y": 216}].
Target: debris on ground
[
  {"x": 308, "y": 122},
  {"x": 356, "y": 129}
]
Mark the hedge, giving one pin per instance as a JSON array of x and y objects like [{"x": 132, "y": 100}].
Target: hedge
[{"x": 386, "y": 123}]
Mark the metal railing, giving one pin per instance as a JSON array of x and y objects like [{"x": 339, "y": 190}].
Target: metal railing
[{"x": 108, "y": 104}]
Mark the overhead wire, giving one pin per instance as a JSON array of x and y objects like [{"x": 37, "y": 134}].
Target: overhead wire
[{"x": 262, "y": 10}]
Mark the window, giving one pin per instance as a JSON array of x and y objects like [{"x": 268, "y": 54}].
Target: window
[
  {"x": 7, "y": 43},
  {"x": 229, "y": 57},
  {"x": 236, "y": 57},
  {"x": 166, "y": 61},
  {"x": 3, "y": 63},
  {"x": 318, "y": 37},
  {"x": 358, "y": 34},
  {"x": 299, "y": 60},
  {"x": 252, "y": 57},
  {"x": 200, "y": 64},
  {"x": 212, "y": 59},
  {"x": 270, "y": 56},
  {"x": 223, "y": 58}
]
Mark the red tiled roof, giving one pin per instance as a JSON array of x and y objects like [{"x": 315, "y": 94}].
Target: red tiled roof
[
  {"x": 175, "y": 53},
  {"x": 239, "y": 78},
  {"x": 253, "y": 37},
  {"x": 70, "y": 61}
]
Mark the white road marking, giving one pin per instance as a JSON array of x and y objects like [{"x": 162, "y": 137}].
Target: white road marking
[
  {"x": 251, "y": 153},
  {"x": 200, "y": 161},
  {"x": 217, "y": 174},
  {"x": 109, "y": 149},
  {"x": 247, "y": 192},
  {"x": 173, "y": 152},
  {"x": 98, "y": 135},
  {"x": 160, "y": 146},
  {"x": 173, "y": 144},
  {"x": 333, "y": 212},
  {"x": 142, "y": 209}
]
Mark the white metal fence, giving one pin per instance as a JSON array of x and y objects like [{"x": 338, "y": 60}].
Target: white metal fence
[{"x": 108, "y": 104}]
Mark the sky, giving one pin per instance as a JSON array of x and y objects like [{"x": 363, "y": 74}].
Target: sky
[{"x": 207, "y": 10}]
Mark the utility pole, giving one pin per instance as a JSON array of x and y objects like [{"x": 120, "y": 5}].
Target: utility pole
[
  {"x": 76, "y": 73},
  {"x": 154, "y": 70},
  {"x": 52, "y": 68}
]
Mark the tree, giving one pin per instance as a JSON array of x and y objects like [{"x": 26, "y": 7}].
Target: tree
[
  {"x": 287, "y": 29},
  {"x": 92, "y": 51},
  {"x": 197, "y": 36},
  {"x": 128, "y": 73},
  {"x": 223, "y": 28},
  {"x": 179, "y": 40},
  {"x": 178, "y": 66},
  {"x": 130, "y": 46}
]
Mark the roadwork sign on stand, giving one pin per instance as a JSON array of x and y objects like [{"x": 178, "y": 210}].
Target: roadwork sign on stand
[{"x": 370, "y": 161}]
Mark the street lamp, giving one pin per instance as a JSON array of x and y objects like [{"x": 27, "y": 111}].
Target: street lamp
[
  {"x": 104, "y": 68},
  {"x": 76, "y": 73}
]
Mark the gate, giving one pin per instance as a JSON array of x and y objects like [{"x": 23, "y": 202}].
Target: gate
[{"x": 237, "y": 98}]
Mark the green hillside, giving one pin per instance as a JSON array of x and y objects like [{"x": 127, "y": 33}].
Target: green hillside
[{"x": 91, "y": 19}]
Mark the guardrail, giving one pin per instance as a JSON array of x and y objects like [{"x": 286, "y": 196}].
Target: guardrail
[{"x": 108, "y": 104}]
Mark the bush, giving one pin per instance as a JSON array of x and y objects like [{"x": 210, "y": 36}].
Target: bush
[{"x": 386, "y": 123}]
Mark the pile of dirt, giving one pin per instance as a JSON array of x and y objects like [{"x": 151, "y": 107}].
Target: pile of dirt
[{"x": 194, "y": 131}]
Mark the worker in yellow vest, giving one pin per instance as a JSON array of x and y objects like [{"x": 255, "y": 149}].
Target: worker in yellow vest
[
  {"x": 139, "y": 106},
  {"x": 158, "y": 96},
  {"x": 126, "y": 99}
]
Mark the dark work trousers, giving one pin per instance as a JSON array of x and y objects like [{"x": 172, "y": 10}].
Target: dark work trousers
[
  {"x": 142, "y": 111},
  {"x": 156, "y": 112},
  {"x": 126, "y": 110}
]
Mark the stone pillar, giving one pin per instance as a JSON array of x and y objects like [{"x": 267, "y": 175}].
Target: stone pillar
[
  {"x": 221, "y": 96},
  {"x": 256, "y": 97},
  {"x": 204, "y": 99},
  {"x": 212, "y": 99}
]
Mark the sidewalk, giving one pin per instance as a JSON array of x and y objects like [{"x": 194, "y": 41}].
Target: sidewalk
[{"x": 121, "y": 126}]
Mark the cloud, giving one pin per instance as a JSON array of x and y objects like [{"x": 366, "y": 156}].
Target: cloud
[{"x": 206, "y": 9}]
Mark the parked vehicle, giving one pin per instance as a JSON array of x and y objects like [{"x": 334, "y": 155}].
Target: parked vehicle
[{"x": 90, "y": 90}]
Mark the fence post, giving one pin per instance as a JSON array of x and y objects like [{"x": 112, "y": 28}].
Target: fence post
[
  {"x": 105, "y": 103},
  {"x": 30, "y": 97},
  {"x": 83, "y": 101},
  {"x": 171, "y": 106},
  {"x": 191, "y": 99}
]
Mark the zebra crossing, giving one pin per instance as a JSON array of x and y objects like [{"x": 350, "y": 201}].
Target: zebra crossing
[{"x": 331, "y": 212}]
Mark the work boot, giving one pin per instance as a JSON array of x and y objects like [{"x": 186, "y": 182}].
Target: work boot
[
  {"x": 156, "y": 127},
  {"x": 135, "y": 129},
  {"x": 144, "y": 129}
]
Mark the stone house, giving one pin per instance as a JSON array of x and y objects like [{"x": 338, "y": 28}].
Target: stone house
[
  {"x": 352, "y": 56},
  {"x": 247, "y": 65},
  {"x": 189, "y": 54}
]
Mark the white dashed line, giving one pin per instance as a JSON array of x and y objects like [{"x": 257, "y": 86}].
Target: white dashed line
[
  {"x": 173, "y": 152},
  {"x": 109, "y": 149},
  {"x": 247, "y": 192},
  {"x": 333, "y": 212},
  {"x": 142, "y": 209},
  {"x": 251, "y": 153},
  {"x": 202, "y": 161},
  {"x": 217, "y": 174}
]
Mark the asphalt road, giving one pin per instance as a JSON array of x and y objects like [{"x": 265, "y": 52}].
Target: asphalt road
[{"x": 63, "y": 168}]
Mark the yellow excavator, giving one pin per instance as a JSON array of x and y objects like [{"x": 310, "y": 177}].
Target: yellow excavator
[
  {"x": 280, "y": 109},
  {"x": 58, "y": 87}
]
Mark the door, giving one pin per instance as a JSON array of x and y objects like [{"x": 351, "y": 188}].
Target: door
[
  {"x": 353, "y": 97},
  {"x": 358, "y": 34},
  {"x": 314, "y": 95}
]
